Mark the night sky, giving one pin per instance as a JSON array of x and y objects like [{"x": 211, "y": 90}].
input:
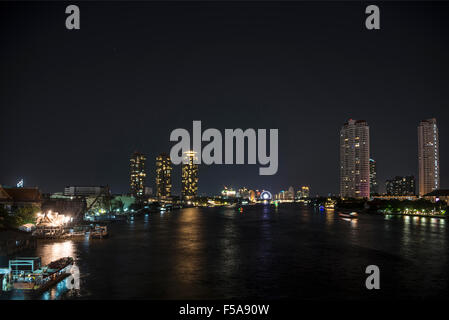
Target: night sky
[{"x": 76, "y": 104}]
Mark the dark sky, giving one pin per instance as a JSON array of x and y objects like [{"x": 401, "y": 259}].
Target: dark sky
[{"x": 76, "y": 104}]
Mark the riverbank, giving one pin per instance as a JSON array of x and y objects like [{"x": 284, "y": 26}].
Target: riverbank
[
  {"x": 439, "y": 216},
  {"x": 15, "y": 241}
]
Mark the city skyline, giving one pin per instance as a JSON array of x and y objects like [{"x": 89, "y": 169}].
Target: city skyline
[
  {"x": 257, "y": 69},
  {"x": 223, "y": 157},
  {"x": 163, "y": 167}
]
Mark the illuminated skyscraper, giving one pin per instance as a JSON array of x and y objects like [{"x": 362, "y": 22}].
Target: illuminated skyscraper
[
  {"x": 189, "y": 176},
  {"x": 163, "y": 176},
  {"x": 354, "y": 160},
  {"x": 373, "y": 177},
  {"x": 428, "y": 156},
  {"x": 137, "y": 178}
]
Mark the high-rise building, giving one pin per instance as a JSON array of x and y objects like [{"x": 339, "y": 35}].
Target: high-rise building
[
  {"x": 373, "y": 187},
  {"x": 189, "y": 176},
  {"x": 137, "y": 177},
  {"x": 354, "y": 159},
  {"x": 401, "y": 186},
  {"x": 163, "y": 176},
  {"x": 428, "y": 156},
  {"x": 305, "y": 192}
]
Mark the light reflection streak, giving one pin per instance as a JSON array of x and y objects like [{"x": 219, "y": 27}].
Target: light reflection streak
[
  {"x": 189, "y": 244},
  {"x": 56, "y": 250}
]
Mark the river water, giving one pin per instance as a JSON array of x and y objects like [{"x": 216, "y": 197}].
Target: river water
[{"x": 263, "y": 252}]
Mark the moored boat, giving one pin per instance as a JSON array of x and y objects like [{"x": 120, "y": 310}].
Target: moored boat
[
  {"x": 99, "y": 232},
  {"x": 28, "y": 275}
]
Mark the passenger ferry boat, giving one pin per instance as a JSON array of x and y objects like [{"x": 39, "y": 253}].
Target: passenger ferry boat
[
  {"x": 351, "y": 215},
  {"x": 28, "y": 275}
]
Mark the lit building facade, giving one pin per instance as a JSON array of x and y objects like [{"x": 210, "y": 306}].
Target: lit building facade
[
  {"x": 137, "y": 176},
  {"x": 373, "y": 186},
  {"x": 354, "y": 160},
  {"x": 163, "y": 176},
  {"x": 252, "y": 196},
  {"x": 428, "y": 156},
  {"x": 286, "y": 195},
  {"x": 227, "y": 193},
  {"x": 291, "y": 193},
  {"x": 244, "y": 193},
  {"x": 401, "y": 186},
  {"x": 305, "y": 192},
  {"x": 189, "y": 176},
  {"x": 74, "y": 191}
]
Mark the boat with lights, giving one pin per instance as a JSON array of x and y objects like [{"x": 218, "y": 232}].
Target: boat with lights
[
  {"x": 350, "y": 215},
  {"x": 27, "y": 275},
  {"x": 100, "y": 232}
]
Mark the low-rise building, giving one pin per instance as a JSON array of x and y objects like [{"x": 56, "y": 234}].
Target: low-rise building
[
  {"x": 401, "y": 186},
  {"x": 438, "y": 195},
  {"x": 14, "y": 198},
  {"x": 75, "y": 191}
]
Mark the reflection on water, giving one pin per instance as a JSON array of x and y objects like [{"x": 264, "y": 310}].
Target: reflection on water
[
  {"x": 329, "y": 217},
  {"x": 260, "y": 252},
  {"x": 56, "y": 292},
  {"x": 50, "y": 251},
  {"x": 189, "y": 246}
]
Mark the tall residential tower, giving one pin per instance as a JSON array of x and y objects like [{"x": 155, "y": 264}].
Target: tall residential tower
[
  {"x": 163, "y": 176},
  {"x": 189, "y": 176},
  {"x": 354, "y": 160},
  {"x": 428, "y": 156},
  {"x": 137, "y": 177}
]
